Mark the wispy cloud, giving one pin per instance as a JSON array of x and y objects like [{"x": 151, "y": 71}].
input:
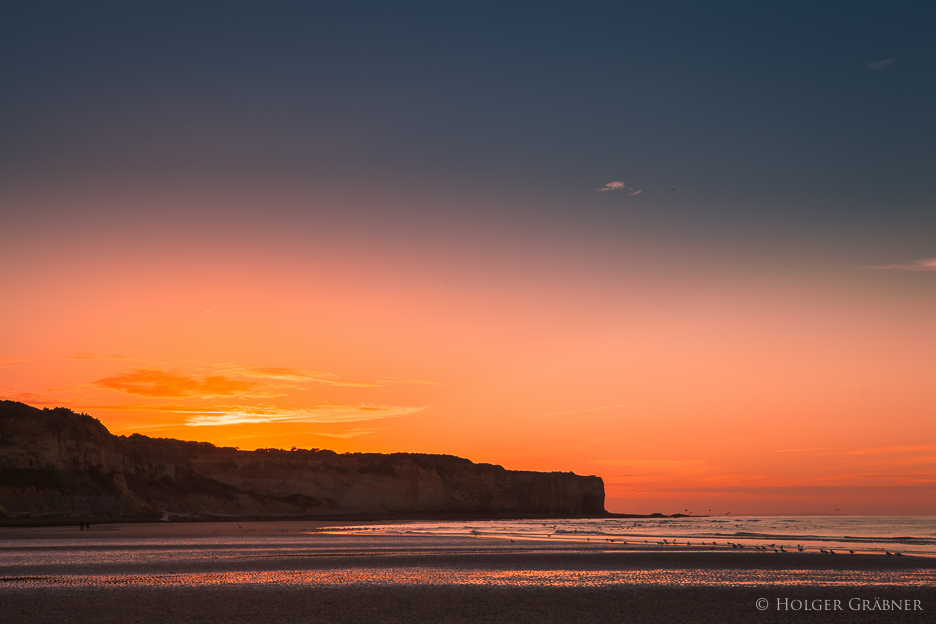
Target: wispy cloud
[
  {"x": 880, "y": 450},
  {"x": 345, "y": 435},
  {"x": 636, "y": 192},
  {"x": 151, "y": 382},
  {"x": 94, "y": 356},
  {"x": 28, "y": 397},
  {"x": 295, "y": 375},
  {"x": 9, "y": 361},
  {"x": 326, "y": 413},
  {"x": 876, "y": 65},
  {"x": 924, "y": 264},
  {"x": 819, "y": 449},
  {"x": 650, "y": 463}
]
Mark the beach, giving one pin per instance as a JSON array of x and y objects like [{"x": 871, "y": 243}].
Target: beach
[{"x": 311, "y": 572}]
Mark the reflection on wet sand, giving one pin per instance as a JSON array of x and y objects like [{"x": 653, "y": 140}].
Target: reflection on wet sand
[
  {"x": 515, "y": 578},
  {"x": 278, "y": 572}
]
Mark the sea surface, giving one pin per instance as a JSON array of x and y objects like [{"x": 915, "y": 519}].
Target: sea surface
[
  {"x": 553, "y": 552},
  {"x": 907, "y": 535}
]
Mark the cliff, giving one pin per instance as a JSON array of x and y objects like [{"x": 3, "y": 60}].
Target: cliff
[{"x": 56, "y": 463}]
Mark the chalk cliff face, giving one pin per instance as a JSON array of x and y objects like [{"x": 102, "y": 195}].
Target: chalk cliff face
[{"x": 58, "y": 463}]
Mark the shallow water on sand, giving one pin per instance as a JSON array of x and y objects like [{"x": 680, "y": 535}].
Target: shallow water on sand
[
  {"x": 392, "y": 555},
  {"x": 257, "y": 573},
  {"x": 429, "y": 576},
  {"x": 908, "y": 535}
]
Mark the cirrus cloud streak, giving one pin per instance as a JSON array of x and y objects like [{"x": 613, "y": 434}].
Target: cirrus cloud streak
[
  {"x": 325, "y": 413},
  {"x": 153, "y": 382},
  {"x": 923, "y": 264}
]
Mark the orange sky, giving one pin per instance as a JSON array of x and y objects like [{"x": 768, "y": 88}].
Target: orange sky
[{"x": 687, "y": 377}]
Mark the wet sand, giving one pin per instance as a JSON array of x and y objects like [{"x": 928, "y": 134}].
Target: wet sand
[
  {"x": 452, "y": 604},
  {"x": 274, "y": 572}
]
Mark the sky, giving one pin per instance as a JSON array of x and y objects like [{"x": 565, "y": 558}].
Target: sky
[{"x": 687, "y": 247}]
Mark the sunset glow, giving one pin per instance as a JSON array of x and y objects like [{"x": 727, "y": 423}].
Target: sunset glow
[{"x": 716, "y": 307}]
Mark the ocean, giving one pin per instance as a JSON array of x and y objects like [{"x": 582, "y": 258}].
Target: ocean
[
  {"x": 907, "y": 535},
  {"x": 609, "y": 570}
]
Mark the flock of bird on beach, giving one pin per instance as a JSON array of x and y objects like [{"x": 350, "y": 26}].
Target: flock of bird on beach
[
  {"x": 663, "y": 542},
  {"x": 765, "y": 547}
]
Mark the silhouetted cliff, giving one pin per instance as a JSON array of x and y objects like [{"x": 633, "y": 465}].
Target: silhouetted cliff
[{"x": 57, "y": 463}]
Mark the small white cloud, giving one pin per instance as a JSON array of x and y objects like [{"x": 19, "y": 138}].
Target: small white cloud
[
  {"x": 612, "y": 186},
  {"x": 636, "y": 192},
  {"x": 924, "y": 264},
  {"x": 876, "y": 65}
]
